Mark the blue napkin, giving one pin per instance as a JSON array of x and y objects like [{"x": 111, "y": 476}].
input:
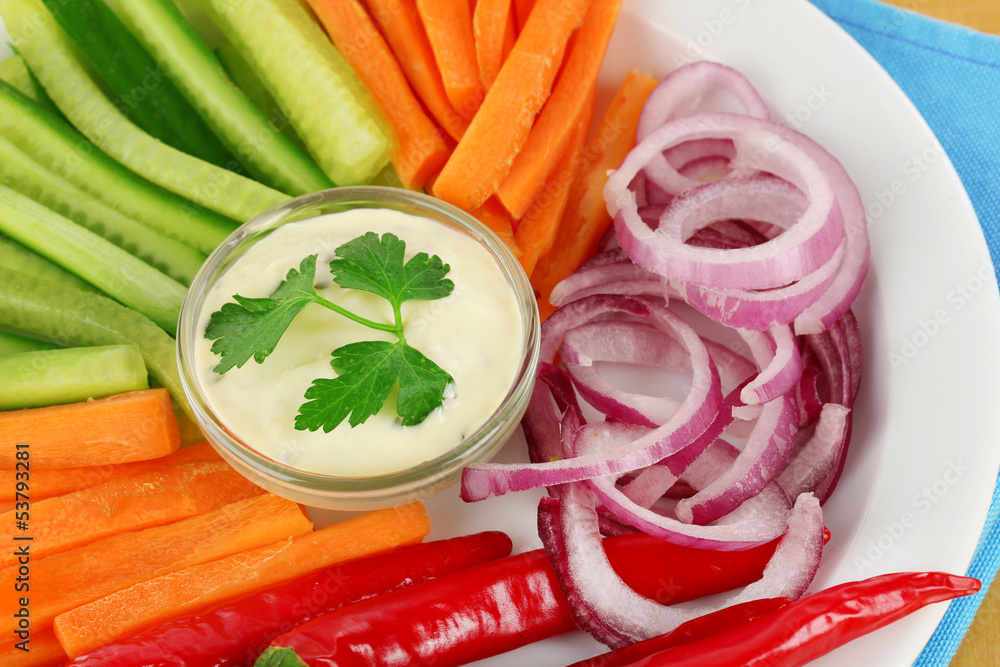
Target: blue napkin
[{"x": 952, "y": 75}]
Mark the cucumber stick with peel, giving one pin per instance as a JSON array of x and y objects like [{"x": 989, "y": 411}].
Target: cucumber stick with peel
[
  {"x": 240, "y": 73},
  {"x": 15, "y": 72},
  {"x": 54, "y": 144},
  {"x": 12, "y": 343},
  {"x": 16, "y": 257},
  {"x": 69, "y": 375},
  {"x": 74, "y": 317},
  {"x": 19, "y": 172},
  {"x": 133, "y": 80},
  {"x": 312, "y": 84},
  {"x": 92, "y": 258},
  {"x": 266, "y": 153},
  {"x": 52, "y": 58}
]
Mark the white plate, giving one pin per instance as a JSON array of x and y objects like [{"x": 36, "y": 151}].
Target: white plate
[{"x": 924, "y": 456}]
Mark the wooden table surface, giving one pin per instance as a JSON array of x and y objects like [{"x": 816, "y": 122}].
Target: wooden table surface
[{"x": 981, "y": 646}]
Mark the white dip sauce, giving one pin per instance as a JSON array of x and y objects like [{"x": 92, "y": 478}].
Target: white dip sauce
[{"x": 474, "y": 334}]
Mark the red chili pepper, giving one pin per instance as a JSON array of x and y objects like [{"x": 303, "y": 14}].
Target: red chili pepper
[
  {"x": 695, "y": 629},
  {"x": 236, "y": 634},
  {"x": 818, "y": 623},
  {"x": 498, "y": 606}
]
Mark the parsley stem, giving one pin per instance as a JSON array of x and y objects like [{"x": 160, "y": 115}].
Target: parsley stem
[{"x": 396, "y": 328}]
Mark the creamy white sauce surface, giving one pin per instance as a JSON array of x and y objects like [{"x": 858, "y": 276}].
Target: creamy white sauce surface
[{"x": 474, "y": 334}]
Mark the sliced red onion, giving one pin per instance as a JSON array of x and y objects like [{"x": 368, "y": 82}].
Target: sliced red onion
[
  {"x": 616, "y": 615},
  {"x": 609, "y": 272},
  {"x": 623, "y": 342},
  {"x": 761, "y": 460},
  {"x": 848, "y": 338},
  {"x": 580, "y": 312},
  {"x": 810, "y": 402},
  {"x": 689, "y": 82},
  {"x": 654, "y": 481},
  {"x": 623, "y": 454},
  {"x": 819, "y": 456},
  {"x": 783, "y": 369},
  {"x": 826, "y": 487},
  {"x": 728, "y": 234},
  {"x": 558, "y": 546},
  {"x": 758, "y": 310},
  {"x": 756, "y": 226},
  {"x": 788, "y": 257},
  {"x": 684, "y": 154}
]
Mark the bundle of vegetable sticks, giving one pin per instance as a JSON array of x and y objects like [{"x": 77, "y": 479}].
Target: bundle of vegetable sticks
[
  {"x": 131, "y": 148},
  {"x": 103, "y": 487}
]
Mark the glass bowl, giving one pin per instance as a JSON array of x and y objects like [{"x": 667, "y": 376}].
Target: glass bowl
[{"x": 366, "y": 491}]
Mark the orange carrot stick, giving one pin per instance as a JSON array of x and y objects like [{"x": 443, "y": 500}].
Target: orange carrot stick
[
  {"x": 550, "y": 135},
  {"x": 448, "y": 24},
  {"x": 493, "y": 215},
  {"x": 522, "y": 9},
  {"x": 134, "y": 426},
  {"x": 537, "y": 229},
  {"x": 403, "y": 30},
  {"x": 41, "y": 649},
  {"x": 129, "y": 503},
  {"x": 58, "y": 481},
  {"x": 489, "y": 27},
  {"x": 586, "y": 218},
  {"x": 485, "y": 153},
  {"x": 422, "y": 151},
  {"x": 509, "y": 37},
  {"x": 67, "y": 580},
  {"x": 188, "y": 591}
]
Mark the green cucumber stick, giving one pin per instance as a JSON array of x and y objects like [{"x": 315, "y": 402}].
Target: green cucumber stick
[
  {"x": 12, "y": 343},
  {"x": 254, "y": 138},
  {"x": 15, "y": 72},
  {"x": 246, "y": 80},
  {"x": 52, "y": 58},
  {"x": 16, "y": 257},
  {"x": 58, "y": 147},
  {"x": 70, "y": 375},
  {"x": 140, "y": 88},
  {"x": 74, "y": 317},
  {"x": 19, "y": 172},
  {"x": 313, "y": 85},
  {"x": 90, "y": 257}
]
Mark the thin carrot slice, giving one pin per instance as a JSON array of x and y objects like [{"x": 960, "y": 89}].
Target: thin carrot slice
[
  {"x": 73, "y": 578},
  {"x": 448, "y": 24},
  {"x": 495, "y": 216},
  {"x": 40, "y": 649},
  {"x": 135, "y": 426},
  {"x": 538, "y": 227},
  {"x": 422, "y": 151},
  {"x": 490, "y": 25},
  {"x": 129, "y": 503},
  {"x": 401, "y": 25},
  {"x": 522, "y": 10},
  {"x": 59, "y": 481},
  {"x": 550, "y": 135},
  {"x": 484, "y": 155},
  {"x": 186, "y": 592},
  {"x": 586, "y": 218}
]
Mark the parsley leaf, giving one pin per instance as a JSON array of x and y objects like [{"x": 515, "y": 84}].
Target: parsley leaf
[
  {"x": 376, "y": 265},
  {"x": 366, "y": 373},
  {"x": 253, "y": 327}
]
